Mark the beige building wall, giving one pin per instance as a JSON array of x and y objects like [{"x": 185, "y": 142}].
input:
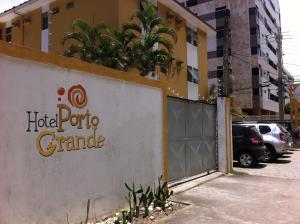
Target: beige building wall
[
  {"x": 29, "y": 33},
  {"x": 113, "y": 13}
]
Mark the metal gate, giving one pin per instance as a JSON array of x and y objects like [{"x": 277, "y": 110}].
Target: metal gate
[{"x": 192, "y": 138}]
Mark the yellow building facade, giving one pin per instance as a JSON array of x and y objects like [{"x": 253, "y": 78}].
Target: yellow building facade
[{"x": 41, "y": 24}]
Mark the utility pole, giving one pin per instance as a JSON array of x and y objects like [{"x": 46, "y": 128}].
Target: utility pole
[
  {"x": 226, "y": 84},
  {"x": 280, "y": 80}
]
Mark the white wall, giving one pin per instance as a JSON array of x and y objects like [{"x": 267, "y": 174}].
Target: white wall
[
  {"x": 224, "y": 122},
  {"x": 45, "y": 33},
  {"x": 192, "y": 55},
  {"x": 45, "y": 40},
  {"x": 193, "y": 90},
  {"x": 36, "y": 189}
]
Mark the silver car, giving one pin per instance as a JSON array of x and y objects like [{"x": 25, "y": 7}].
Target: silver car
[{"x": 274, "y": 138}]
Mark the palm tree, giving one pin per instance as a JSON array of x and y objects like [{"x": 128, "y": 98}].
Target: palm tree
[
  {"x": 120, "y": 54},
  {"x": 99, "y": 45},
  {"x": 86, "y": 41},
  {"x": 152, "y": 32}
]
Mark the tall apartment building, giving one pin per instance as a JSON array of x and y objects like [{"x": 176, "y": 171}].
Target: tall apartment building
[
  {"x": 254, "y": 26},
  {"x": 41, "y": 24},
  {"x": 287, "y": 79}
]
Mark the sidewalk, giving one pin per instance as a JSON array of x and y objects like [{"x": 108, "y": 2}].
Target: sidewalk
[{"x": 243, "y": 199}]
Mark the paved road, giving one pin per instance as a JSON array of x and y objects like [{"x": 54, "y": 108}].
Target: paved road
[
  {"x": 268, "y": 194},
  {"x": 286, "y": 167}
]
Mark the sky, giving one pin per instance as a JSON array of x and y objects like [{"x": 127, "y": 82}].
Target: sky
[{"x": 290, "y": 21}]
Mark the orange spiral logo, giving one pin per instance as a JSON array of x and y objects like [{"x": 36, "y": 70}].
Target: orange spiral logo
[{"x": 77, "y": 96}]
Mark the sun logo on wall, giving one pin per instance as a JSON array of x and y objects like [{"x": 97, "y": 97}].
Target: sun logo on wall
[{"x": 76, "y": 95}]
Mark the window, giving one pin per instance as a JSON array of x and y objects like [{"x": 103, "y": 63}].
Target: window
[
  {"x": 272, "y": 64},
  {"x": 70, "y": 5},
  {"x": 255, "y": 71},
  {"x": 219, "y": 51},
  {"x": 255, "y": 50},
  {"x": 193, "y": 75},
  {"x": 8, "y": 34},
  {"x": 192, "y": 37},
  {"x": 45, "y": 21},
  {"x": 264, "y": 129},
  {"x": 220, "y": 72},
  {"x": 190, "y": 3},
  {"x": 253, "y": 31},
  {"x": 273, "y": 97},
  {"x": 255, "y": 91},
  {"x": 221, "y": 12},
  {"x": 55, "y": 10},
  {"x": 221, "y": 8},
  {"x": 270, "y": 46},
  {"x": 220, "y": 33},
  {"x": 273, "y": 81},
  {"x": 252, "y": 11}
]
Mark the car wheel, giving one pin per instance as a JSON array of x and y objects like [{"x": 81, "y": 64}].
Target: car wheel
[
  {"x": 246, "y": 160},
  {"x": 270, "y": 155}
]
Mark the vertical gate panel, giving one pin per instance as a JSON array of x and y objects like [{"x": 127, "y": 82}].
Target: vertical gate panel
[
  {"x": 177, "y": 160},
  {"x": 194, "y": 157},
  {"x": 209, "y": 155},
  {"x": 194, "y": 121},
  {"x": 209, "y": 136},
  {"x": 176, "y": 118},
  {"x": 192, "y": 138},
  {"x": 176, "y": 125}
]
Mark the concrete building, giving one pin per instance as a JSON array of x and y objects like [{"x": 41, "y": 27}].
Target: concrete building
[
  {"x": 288, "y": 79},
  {"x": 253, "y": 25},
  {"x": 41, "y": 24}
]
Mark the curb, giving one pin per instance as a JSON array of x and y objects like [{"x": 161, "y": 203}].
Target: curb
[{"x": 185, "y": 186}]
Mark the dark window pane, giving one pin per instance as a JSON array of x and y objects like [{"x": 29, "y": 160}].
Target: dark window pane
[
  {"x": 222, "y": 13},
  {"x": 220, "y": 33},
  {"x": 55, "y": 10},
  {"x": 253, "y": 30},
  {"x": 45, "y": 21},
  {"x": 220, "y": 73},
  {"x": 8, "y": 34},
  {"x": 70, "y": 5},
  {"x": 220, "y": 51},
  {"x": 193, "y": 75},
  {"x": 255, "y": 71},
  {"x": 252, "y": 11},
  {"x": 221, "y": 8},
  {"x": 253, "y": 50},
  {"x": 264, "y": 129},
  {"x": 255, "y": 91},
  {"x": 191, "y": 3}
]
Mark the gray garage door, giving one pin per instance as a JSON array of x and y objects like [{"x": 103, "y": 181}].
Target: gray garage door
[{"x": 192, "y": 138}]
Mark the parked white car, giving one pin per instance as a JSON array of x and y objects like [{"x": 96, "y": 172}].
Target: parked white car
[{"x": 274, "y": 138}]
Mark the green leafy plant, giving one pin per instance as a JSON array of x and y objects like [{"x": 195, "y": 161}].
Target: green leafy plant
[
  {"x": 99, "y": 45},
  {"x": 133, "y": 202},
  {"x": 151, "y": 46},
  {"x": 141, "y": 197},
  {"x": 143, "y": 45},
  {"x": 130, "y": 213},
  {"x": 146, "y": 199},
  {"x": 161, "y": 194}
]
